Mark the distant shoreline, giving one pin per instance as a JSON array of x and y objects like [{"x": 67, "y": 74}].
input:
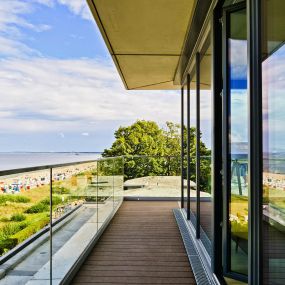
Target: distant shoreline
[
  {"x": 71, "y": 152},
  {"x": 18, "y": 160}
]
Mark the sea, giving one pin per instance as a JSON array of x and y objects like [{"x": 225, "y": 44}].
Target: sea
[
  {"x": 15, "y": 160},
  {"x": 274, "y": 162}
]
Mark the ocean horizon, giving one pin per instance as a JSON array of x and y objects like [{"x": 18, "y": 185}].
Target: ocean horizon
[
  {"x": 15, "y": 160},
  {"x": 275, "y": 163}
]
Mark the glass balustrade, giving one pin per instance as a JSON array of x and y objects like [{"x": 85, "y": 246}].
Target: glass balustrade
[{"x": 50, "y": 215}]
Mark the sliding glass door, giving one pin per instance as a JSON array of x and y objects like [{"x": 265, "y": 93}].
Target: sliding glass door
[
  {"x": 273, "y": 86},
  {"x": 199, "y": 168},
  {"x": 235, "y": 156}
]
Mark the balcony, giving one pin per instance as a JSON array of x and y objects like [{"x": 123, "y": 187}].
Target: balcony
[{"x": 93, "y": 222}]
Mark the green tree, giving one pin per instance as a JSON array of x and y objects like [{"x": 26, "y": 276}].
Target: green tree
[
  {"x": 141, "y": 138},
  {"x": 205, "y": 159},
  {"x": 173, "y": 147},
  {"x": 151, "y": 150},
  {"x": 143, "y": 145}
]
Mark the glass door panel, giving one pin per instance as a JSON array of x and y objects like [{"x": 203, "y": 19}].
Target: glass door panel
[
  {"x": 236, "y": 137},
  {"x": 206, "y": 207},
  {"x": 273, "y": 75}
]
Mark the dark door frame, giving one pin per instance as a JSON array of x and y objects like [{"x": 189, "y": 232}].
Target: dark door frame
[
  {"x": 254, "y": 14},
  {"x": 217, "y": 181},
  {"x": 220, "y": 178},
  {"x": 225, "y": 137}
]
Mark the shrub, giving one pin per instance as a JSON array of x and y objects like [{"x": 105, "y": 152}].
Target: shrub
[
  {"x": 44, "y": 201},
  {"x": 37, "y": 208},
  {"x": 7, "y": 244},
  {"x": 60, "y": 190},
  {"x": 31, "y": 229},
  {"x": 13, "y": 198},
  {"x": 55, "y": 201},
  {"x": 11, "y": 229},
  {"x": 43, "y": 205},
  {"x": 18, "y": 217},
  {"x": 5, "y": 219}
]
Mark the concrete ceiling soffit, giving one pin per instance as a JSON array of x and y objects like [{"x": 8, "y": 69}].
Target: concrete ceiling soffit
[{"x": 144, "y": 37}]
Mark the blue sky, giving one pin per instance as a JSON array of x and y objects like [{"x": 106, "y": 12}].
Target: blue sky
[
  {"x": 59, "y": 88},
  {"x": 68, "y": 35}
]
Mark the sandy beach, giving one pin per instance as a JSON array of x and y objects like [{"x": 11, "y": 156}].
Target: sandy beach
[{"x": 30, "y": 180}]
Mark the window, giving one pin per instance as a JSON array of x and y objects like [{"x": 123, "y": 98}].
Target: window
[{"x": 273, "y": 86}]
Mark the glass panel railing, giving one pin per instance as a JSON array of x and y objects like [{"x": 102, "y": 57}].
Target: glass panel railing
[
  {"x": 81, "y": 199},
  {"x": 74, "y": 211},
  {"x": 24, "y": 211},
  {"x": 105, "y": 189},
  {"x": 118, "y": 173},
  {"x": 152, "y": 176}
]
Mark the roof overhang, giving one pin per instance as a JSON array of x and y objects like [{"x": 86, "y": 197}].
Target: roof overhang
[{"x": 145, "y": 38}]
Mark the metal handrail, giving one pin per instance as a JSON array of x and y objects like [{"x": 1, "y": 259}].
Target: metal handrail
[
  {"x": 57, "y": 165},
  {"x": 49, "y": 166}
]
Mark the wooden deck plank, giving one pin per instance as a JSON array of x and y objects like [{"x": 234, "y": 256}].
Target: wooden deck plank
[{"x": 142, "y": 245}]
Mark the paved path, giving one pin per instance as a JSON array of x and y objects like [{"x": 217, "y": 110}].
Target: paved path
[{"x": 142, "y": 245}]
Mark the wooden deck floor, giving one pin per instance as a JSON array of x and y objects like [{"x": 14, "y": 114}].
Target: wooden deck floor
[{"x": 142, "y": 245}]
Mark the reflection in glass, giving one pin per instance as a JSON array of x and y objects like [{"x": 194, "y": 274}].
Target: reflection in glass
[
  {"x": 273, "y": 78},
  {"x": 238, "y": 143},
  {"x": 205, "y": 160}
]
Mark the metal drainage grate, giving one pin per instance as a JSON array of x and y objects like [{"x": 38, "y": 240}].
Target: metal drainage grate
[
  {"x": 203, "y": 236},
  {"x": 199, "y": 271},
  {"x": 206, "y": 241}
]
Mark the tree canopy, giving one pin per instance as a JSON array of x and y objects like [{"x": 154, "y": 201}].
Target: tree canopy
[
  {"x": 152, "y": 150},
  {"x": 141, "y": 138}
]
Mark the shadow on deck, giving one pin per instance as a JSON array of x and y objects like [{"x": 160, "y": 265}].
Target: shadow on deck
[{"x": 141, "y": 245}]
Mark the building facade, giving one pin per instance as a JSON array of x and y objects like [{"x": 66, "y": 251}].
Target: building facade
[{"x": 228, "y": 58}]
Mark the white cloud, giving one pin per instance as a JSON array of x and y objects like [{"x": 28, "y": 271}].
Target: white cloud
[
  {"x": 238, "y": 58},
  {"x": 12, "y": 20},
  {"x": 85, "y": 134},
  {"x": 78, "y": 7},
  {"x": 15, "y": 48},
  {"x": 52, "y": 94},
  {"x": 43, "y": 95}
]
